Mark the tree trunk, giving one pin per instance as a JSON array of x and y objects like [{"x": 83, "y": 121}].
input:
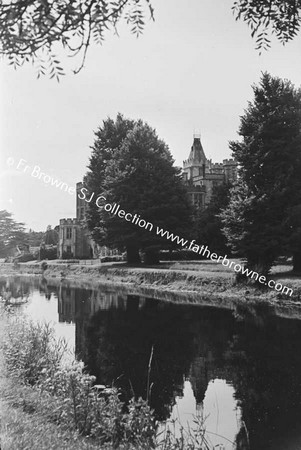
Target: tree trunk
[
  {"x": 261, "y": 265},
  {"x": 151, "y": 256},
  {"x": 132, "y": 254},
  {"x": 297, "y": 262}
]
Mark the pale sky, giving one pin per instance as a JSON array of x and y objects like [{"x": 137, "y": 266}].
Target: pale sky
[{"x": 191, "y": 70}]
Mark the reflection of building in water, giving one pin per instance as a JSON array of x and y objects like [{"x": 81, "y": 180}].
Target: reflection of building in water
[
  {"x": 198, "y": 377},
  {"x": 78, "y": 305},
  {"x": 106, "y": 300},
  {"x": 66, "y": 304},
  {"x": 82, "y": 303}
]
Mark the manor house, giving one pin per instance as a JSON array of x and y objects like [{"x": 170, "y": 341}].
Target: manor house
[{"x": 201, "y": 175}]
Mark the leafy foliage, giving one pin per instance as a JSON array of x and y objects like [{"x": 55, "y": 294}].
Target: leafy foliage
[
  {"x": 43, "y": 362},
  {"x": 132, "y": 167},
  {"x": 12, "y": 233},
  {"x": 208, "y": 223},
  {"x": 51, "y": 236},
  {"x": 34, "y": 238},
  {"x": 266, "y": 17},
  {"x": 38, "y": 353},
  {"x": 31, "y": 30},
  {"x": 69, "y": 397},
  {"x": 261, "y": 221}
]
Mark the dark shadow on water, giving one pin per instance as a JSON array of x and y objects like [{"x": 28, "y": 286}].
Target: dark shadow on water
[{"x": 251, "y": 349}]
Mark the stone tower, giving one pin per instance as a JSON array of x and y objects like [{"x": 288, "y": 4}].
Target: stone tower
[
  {"x": 196, "y": 163},
  {"x": 201, "y": 175}
]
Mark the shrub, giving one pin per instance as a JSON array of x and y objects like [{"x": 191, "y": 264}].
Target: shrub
[
  {"x": 48, "y": 253},
  {"x": 179, "y": 255},
  {"x": 30, "y": 349},
  {"x": 42, "y": 362},
  {"x": 44, "y": 265},
  {"x": 70, "y": 398},
  {"x": 67, "y": 255},
  {"x": 26, "y": 257}
]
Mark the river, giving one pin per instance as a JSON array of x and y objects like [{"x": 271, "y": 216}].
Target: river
[{"x": 238, "y": 372}]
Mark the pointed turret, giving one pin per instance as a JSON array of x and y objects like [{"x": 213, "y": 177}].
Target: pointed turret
[
  {"x": 196, "y": 163},
  {"x": 197, "y": 154}
]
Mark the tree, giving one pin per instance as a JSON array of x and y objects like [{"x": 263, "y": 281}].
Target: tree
[
  {"x": 51, "y": 236},
  {"x": 34, "y": 238},
  {"x": 31, "y": 31},
  {"x": 208, "y": 222},
  {"x": 12, "y": 233},
  {"x": 132, "y": 167},
  {"x": 262, "y": 220}
]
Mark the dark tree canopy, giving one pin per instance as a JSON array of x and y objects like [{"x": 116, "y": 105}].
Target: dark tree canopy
[
  {"x": 132, "y": 167},
  {"x": 208, "y": 222},
  {"x": 30, "y": 31},
  {"x": 51, "y": 236},
  {"x": 262, "y": 220}
]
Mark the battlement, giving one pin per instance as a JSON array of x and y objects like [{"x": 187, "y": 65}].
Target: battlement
[
  {"x": 69, "y": 221},
  {"x": 217, "y": 166},
  {"x": 229, "y": 162},
  {"x": 188, "y": 163}
]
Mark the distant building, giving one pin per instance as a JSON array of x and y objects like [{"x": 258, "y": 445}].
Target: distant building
[
  {"x": 201, "y": 175},
  {"x": 75, "y": 240}
]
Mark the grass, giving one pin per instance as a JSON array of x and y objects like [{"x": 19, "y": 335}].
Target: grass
[
  {"x": 206, "y": 278},
  {"x": 23, "y": 422},
  {"x": 27, "y": 415},
  {"x": 49, "y": 402},
  {"x": 22, "y": 430}
]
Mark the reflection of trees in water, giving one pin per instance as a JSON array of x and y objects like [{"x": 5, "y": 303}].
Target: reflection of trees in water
[
  {"x": 119, "y": 342},
  {"x": 258, "y": 353},
  {"x": 19, "y": 288},
  {"x": 14, "y": 289},
  {"x": 266, "y": 367}
]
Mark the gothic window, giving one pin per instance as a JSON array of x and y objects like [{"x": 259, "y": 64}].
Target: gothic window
[{"x": 68, "y": 233}]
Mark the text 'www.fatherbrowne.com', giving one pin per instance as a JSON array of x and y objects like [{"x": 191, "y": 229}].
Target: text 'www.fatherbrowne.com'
[
  {"x": 202, "y": 250},
  {"x": 115, "y": 209}
]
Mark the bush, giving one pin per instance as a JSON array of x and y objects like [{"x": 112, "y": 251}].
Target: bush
[
  {"x": 179, "y": 255},
  {"x": 42, "y": 362},
  {"x": 67, "y": 255},
  {"x": 39, "y": 352},
  {"x": 114, "y": 258},
  {"x": 44, "y": 265},
  {"x": 26, "y": 257},
  {"x": 48, "y": 253},
  {"x": 69, "y": 397}
]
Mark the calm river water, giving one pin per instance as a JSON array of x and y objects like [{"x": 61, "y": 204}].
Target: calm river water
[{"x": 238, "y": 371}]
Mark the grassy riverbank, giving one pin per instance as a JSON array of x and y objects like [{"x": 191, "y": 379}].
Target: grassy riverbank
[
  {"x": 48, "y": 400},
  {"x": 25, "y": 422},
  {"x": 195, "y": 279}
]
